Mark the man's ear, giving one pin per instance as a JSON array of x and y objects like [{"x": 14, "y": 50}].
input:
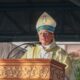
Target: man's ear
[{"x": 52, "y": 34}]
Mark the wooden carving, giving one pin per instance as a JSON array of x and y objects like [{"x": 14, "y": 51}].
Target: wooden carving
[{"x": 31, "y": 69}]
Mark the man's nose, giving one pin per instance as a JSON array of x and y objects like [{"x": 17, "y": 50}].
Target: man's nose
[{"x": 45, "y": 34}]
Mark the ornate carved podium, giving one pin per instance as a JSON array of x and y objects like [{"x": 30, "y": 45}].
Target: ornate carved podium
[{"x": 31, "y": 69}]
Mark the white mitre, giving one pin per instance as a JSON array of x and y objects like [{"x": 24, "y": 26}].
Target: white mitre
[{"x": 46, "y": 22}]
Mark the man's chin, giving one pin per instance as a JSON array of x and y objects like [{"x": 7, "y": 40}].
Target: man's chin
[{"x": 44, "y": 43}]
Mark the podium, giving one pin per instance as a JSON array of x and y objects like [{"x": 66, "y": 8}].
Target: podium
[{"x": 31, "y": 69}]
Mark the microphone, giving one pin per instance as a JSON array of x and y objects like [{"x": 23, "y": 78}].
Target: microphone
[{"x": 23, "y": 49}]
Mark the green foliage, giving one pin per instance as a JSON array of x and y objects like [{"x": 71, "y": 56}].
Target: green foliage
[{"x": 77, "y": 69}]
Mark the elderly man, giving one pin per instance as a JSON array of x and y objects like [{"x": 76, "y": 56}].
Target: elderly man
[{"x": 48, "y": 49}]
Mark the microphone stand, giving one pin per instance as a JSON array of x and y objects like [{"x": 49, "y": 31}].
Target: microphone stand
[{"x": 24, "y": 49}]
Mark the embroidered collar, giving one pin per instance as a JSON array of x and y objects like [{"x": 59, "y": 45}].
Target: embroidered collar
[{"x": 49, "y": 47}]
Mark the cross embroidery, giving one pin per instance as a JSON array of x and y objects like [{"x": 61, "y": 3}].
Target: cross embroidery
[{"x": 44, "y": 18}]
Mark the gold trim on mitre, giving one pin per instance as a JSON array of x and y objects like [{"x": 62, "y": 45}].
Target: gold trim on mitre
[{"x": 46, "y": 19}]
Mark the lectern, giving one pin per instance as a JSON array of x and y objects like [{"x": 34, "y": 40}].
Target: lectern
[{"x": 31, "y": 69}]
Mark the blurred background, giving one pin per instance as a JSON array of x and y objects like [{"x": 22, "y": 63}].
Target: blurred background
[{"x": 18, "y": 19}]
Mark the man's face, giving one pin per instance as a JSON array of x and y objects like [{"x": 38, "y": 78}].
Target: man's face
[{"x": 45, "y": 37}]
